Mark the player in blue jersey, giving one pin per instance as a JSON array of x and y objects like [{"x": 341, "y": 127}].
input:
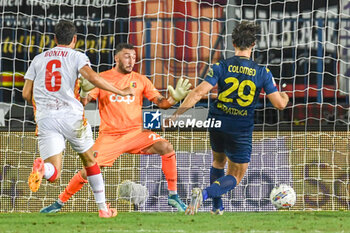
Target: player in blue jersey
[{"x": 239, "y": 81}]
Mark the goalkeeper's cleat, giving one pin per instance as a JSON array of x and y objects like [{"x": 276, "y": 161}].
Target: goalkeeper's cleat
[
  {"x": 35, "y": 178},
  {"x": 110, "y": 213},
  {"x": 53, "y": 208},
  {"x": 176, "y": 202},
  {"x": 217, "y": 211},
  {"x": 196, "y": 201}
]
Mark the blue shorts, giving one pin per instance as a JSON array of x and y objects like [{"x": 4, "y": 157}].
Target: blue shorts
[{"x": 237, "y": 147}]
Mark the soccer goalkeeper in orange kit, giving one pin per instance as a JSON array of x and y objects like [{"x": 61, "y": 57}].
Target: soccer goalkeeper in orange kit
[{"x": 121, "y": 124}]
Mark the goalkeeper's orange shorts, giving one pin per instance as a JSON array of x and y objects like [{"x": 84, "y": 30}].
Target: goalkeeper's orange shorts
[{"x": 109, "y": 147}]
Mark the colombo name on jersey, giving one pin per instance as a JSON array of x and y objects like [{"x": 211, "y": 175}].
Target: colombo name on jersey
[{"x": 240, "y": 81}]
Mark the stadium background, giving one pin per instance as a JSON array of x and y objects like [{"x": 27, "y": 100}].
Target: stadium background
[{"x": 304, "y": 44}]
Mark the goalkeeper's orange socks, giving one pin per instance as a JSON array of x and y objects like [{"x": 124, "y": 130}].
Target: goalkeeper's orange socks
[
  {"x": 215, "y": 174},
  {"x": 168, "y": 167},
  {"x": 75, "y": 184},
  {"x": 219, "y": 187},
  {"x": 169, "y": 170}
]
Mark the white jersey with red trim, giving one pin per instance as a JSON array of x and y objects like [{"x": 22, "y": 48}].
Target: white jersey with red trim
[{"x": 54, "y": 74}]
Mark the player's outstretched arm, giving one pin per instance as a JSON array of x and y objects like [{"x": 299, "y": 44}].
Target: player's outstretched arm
[
  {"x": 99, "y": 82},
  {"x": 27, "y": 91},
  {"x": 192, "y": 98},
  {"x": 163, "y": 103},
  {"x": 278, "y": 99}
]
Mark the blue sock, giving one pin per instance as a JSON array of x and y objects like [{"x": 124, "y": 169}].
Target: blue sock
[
  {"x": 215, "y": 174},
  {"x": 219, "y": 187}
]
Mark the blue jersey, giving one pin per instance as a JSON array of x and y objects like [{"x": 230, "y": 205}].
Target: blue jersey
[{"x": 240, "y": 81}]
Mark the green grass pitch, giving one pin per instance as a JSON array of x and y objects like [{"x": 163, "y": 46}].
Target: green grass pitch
[{"x": 282, "y": 221}]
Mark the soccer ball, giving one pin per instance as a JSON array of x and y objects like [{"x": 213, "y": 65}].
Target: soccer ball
[{"x": 283, "y": 196}]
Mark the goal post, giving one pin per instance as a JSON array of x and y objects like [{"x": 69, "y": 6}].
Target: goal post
[{"x": 303, "y": 43}]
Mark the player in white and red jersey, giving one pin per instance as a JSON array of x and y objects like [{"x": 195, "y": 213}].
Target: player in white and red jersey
[
  {"x": 52, "y": 84},
  {"x": 54, "y": 74}
]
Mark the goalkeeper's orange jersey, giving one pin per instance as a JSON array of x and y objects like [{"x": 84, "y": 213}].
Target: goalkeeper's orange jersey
[{"x": 121, "y": 114}]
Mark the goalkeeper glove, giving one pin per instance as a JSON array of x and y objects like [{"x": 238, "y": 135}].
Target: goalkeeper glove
[
  {"x": 135, "y": 193},
  {"x": 86, "y": 87},
  {"x": 181, "y": 90}
]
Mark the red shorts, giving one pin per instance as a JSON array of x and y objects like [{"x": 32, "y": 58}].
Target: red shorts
[{"x": 109, "y": 147}]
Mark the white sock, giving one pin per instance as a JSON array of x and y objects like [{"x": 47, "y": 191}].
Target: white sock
[
  {"x": 98, "y": 187},
  {"x": 49, "y": 170},
  {"x": 171, "y": 192}
]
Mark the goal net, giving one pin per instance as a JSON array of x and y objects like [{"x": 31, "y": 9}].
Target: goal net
[{"x": 305, "y": 44}]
